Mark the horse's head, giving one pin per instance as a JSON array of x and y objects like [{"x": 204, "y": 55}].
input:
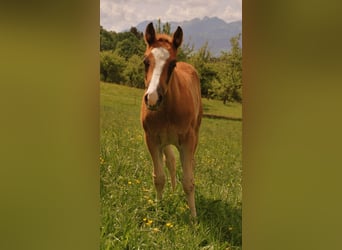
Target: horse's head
[{"x": 160, "y": 60}]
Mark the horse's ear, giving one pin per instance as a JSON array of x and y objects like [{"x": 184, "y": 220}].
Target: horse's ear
[
  {"x": 177, "y": 37},
  {"x": 150, "y": 34}
]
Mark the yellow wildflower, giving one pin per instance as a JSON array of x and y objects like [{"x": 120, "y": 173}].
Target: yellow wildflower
[
  {"x": 149, "y": 222},
  {"x": 102, "y": 161},
  {"x": 169, "y": 224}
]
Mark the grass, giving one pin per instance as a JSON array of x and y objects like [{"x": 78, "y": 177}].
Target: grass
[
  {"x": 214, "y": 107},
  {"x": 130, "y": 216}
]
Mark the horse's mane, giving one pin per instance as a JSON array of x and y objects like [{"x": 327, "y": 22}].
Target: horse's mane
[{"x": 164, "y": 38}]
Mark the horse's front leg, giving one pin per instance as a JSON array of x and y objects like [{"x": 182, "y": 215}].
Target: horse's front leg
[
  {"x": 170, "y": 161},
  {"x": 187, "y": 151},
  {"x": 157, "y": 158}
]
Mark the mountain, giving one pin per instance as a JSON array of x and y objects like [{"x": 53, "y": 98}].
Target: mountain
[{"x": 197, "y": 31}]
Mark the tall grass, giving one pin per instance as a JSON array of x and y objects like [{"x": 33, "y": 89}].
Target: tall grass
[{"x": 130, "y": 215}]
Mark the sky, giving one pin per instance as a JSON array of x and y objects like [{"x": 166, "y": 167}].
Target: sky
[{"x": 119, "y": 15}]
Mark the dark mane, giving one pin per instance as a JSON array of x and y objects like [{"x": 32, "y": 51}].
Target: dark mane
[{"x": 164, "y": 38}]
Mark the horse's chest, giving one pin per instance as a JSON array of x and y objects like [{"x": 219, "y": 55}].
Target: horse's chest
[{"x": 164, "y": 129}]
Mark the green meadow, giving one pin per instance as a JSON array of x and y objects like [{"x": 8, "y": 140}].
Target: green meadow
[{"x": 131, "y": 218}]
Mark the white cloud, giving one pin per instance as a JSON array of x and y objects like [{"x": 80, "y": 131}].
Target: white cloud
[
  {"x": 118, "y": 15},
  {"x": 182, "y": 12},
  {"x": 229, "y": 14}
]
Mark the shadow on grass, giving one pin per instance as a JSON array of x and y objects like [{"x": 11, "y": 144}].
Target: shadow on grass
[
  {"x": 217, "y": 220},
  {"x": 222, "y": 117},
  {"x": 224, "y": 220},
  {"x": 207, "y": 109}
]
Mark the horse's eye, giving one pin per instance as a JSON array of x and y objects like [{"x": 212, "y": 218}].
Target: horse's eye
[
  {"x": 146, "y": 62},
  {"x": 173, "y": 64}
]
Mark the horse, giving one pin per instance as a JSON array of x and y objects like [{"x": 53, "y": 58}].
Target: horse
[{"x": 171, "y": 111}]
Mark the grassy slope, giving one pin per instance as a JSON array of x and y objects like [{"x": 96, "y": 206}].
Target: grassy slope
[{"x": 131, "y": 218}]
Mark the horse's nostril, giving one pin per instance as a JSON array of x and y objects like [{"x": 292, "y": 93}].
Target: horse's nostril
[
  {"x": 153, "y": 100},
  {"x": 146, "y": 98}
]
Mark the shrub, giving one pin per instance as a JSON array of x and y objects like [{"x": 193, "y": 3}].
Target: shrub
[
  {"x": 111, "y": 67},
  {"x": 134, "y": 72}
]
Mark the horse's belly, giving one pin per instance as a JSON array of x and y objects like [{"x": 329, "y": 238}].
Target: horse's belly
[
  {"x": 168, "y": 137},
  {"x": 167, "y": 131}
]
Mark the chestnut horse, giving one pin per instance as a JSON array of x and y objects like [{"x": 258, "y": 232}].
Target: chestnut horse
[{"x": 171, "y": 111}]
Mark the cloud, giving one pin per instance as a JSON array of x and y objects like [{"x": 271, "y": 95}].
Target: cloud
[
  {"x": 119, "y": 15},
  {"x": 230, "y": 14},
  {"x": 182, "y": 12}
]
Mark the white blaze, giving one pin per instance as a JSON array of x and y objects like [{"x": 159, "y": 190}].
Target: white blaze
[{"x": 160, "y": 56}]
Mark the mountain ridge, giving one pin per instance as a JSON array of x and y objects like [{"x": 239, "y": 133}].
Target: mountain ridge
[{"x": 198, "y": 31}]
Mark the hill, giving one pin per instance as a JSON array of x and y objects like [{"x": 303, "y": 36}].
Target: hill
[{"x": 197, "y": 31}]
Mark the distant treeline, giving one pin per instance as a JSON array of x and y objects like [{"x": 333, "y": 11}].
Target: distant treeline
[{"x": 121, "y": 61}]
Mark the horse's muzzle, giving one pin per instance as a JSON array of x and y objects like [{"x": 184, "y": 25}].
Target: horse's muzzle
[{"x": 151, "y": 106}]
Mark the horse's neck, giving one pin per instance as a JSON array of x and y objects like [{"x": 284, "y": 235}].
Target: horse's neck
[{"x": 174, "y": 91}]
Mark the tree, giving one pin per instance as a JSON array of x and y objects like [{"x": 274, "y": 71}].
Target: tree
[
  {"x": 201, "y": 61},
  {"x": 185, "y": 52},
  {"x": 158, "y": 27},
  {"x": 167, "y": 28},
  {"x": 233, "y": 78},
  {"x": 134, "y": 72},
  {"x": 111, "y": 67},
  {"x": 228, "y": 86},
  {"x": 106, "y": 39},
  {"x": 136, "y": 33},
  {"x": 163, "y": 28},
  {"x": 127, "y": 48}
]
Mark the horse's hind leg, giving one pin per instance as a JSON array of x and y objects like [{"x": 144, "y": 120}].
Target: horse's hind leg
[
  {"x": 188, "y": 182},
  {"x": 170, "y": 161}
]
